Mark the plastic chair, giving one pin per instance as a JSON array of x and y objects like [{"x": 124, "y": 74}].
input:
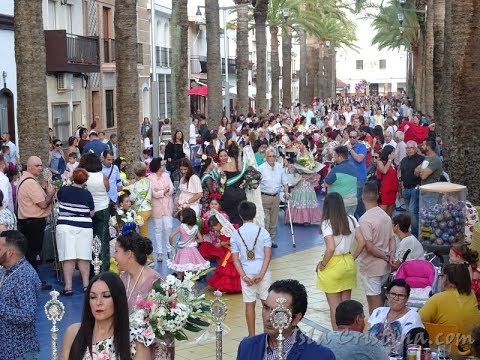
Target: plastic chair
[{"x": 445, "y": 334}]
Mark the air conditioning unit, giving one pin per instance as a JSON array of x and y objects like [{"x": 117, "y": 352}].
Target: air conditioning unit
[{"x": 64, "y": 82}]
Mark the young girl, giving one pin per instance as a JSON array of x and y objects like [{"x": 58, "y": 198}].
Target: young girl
[
  {"x": 210, "y": 248},
  {"x": 124, "y": 212},
  {"x": 226, "y": 277},
  {"x": 187, "y": 257}
]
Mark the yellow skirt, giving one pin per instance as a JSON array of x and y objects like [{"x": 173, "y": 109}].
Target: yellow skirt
[{"x": 339, "y": 275}]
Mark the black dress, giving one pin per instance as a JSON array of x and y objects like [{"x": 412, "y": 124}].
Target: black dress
[
  {"x": 175, "y": 153},
  {"x": 232, "y": 196}
]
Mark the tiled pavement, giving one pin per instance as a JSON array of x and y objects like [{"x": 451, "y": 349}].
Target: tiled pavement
[{"x": 288, "y": 262}]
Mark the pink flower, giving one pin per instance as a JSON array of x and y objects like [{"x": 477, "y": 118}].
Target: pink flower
[
  {"x": 173, "y": 304},
  {"x": 146, "y": 304}
]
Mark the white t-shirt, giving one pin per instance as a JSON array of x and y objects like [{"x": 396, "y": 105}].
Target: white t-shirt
[
  {"x": 393, "y": 334},
  {"x": 410, "y": 242},
  {"x": 343, "y": 243}
]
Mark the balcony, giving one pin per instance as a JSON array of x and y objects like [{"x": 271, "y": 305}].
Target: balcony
[
  {"x": 198, "y": 64},
  {"x": 109, "y": 51},
  {"x": 71, "y": 53},
  {"x": 163, "y": 56}
]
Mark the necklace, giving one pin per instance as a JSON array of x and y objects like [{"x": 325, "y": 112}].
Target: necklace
[
  {"x": 129, "y": 295},
  {"x": 5, "y": 276}
]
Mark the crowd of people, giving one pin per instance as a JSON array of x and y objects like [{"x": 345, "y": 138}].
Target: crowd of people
[{"x": 225, "y": 184}]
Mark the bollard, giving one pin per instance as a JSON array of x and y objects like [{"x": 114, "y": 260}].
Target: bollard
[
  {"x": 280, "y": 317},
  {"x": 54, "y": 310},
  {"x": 219, "y": 312}
]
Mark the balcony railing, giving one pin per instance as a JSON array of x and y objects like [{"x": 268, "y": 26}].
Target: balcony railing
[
  {"x": 109, "y": 51},
  {"x": 198, "y": 64},
  {"x": 71, "y": 53}
]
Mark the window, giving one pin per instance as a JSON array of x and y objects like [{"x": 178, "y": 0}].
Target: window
[
  {"x": 359, "y": 65},
  {"x": 52, "y": 15},
  {"x": 109, "y": 108},
  {"x": 69, "y": 19},
  {"x": 382, "y": 64}
]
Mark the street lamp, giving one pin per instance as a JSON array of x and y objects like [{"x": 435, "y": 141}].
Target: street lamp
[
  {"x": 285, "y": 13},
  {"x": 199, "y": 17}
]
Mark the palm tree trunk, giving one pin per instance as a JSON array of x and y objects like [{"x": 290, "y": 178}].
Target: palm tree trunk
[
  {"x": 428, "y": 80},
  {"x": 30, "y": 58},
  {"x": 460, "y": 93},
  {"x": 419, "y": 74},
  {"x": 312, "y": 63},
  {"x": 242, "y": 56},
  {"x": 214, "y": 99},
  {"x": 127, "y": 96},
  {"x": 275, "y": 69},
  {"x": 179, "y": 85},
  {"x": 260, "y": 16},
  {"x": 302, "y": 81},
  {"x": 321, "y": 80},
  {"x": 438, "y": 44},
  {"x": 286, "y": 68},
  {"x": 333, "y": 64}
]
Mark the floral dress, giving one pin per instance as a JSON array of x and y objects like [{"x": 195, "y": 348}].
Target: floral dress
[{"x": 104, "y": 350}]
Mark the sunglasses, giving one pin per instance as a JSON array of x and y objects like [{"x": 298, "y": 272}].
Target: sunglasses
[
  {"x": 58, "y": 145},
  {"x": 353, "y": 137},
  {"x": 374, "y": 157}
]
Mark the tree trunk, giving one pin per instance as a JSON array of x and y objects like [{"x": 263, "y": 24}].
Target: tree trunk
[
  {"x": 438, "y": 43},
  {"x": 419, "y": 74},
  {"x": 410, "y": 74},
  {"x": 30, "y": 58},
  {"x": 127, "y": 95},
  {"x": 321, "y": 80},
  {"x": 460, "y": 92},
  {"x": 179, "y": 85},
  {"x": 302, "y": 81},
  {"x": 286, "y": 68},
  {"x": 429, "y": 38},
  {"x": 312, "y": 64},
  {"x": 242, "y": 57},
  {"x": 333, "y": 67},
  {"x": 214, "y": 63},
  {"x": 275, "y": 69},
  {"x": 260, "y": 16}
]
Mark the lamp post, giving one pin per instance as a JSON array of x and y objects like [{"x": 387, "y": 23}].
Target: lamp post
[
  {"x": 401, "y": 17},
  {"x": 285, "y": 13}
]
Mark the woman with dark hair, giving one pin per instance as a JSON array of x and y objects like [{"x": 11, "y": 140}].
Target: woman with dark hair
[
  {"x": 391, "y": 324},
  {"x": 378, "y": 138},
  {"x": 224, "y": 127},
  {"x": 98, "y": 185},
  {"x": 387, "y": 176},
  {"x": 72, "y": 147},
  {"x": 56, "y": 160},
  {"x": 190, "y": 188},
  {"x": 462, "y": 254},
  {"x": 162, "y": 204},
  {"x": 104, "y": 332},
  {"x": 234, "y": 170},
  {"x": 74, "y": 230},
  {"x": 175, "y": 150},
  {"x": 336, "y": 272},
  {"x": 131, "y": 252},
  {"x": 122, "y": 164},
  {"x": 456, "y": 304},
  {"x": 209, "y": 176},
  {"x": 141, "y": 195}
]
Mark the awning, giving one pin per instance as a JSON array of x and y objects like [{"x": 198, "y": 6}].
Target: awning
[{"x": 199, "y": 90}]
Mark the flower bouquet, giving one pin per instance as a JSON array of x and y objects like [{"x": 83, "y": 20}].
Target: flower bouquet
[
  {"x": 307, "y": 165},
  {"x": 251, "y": 179},
  {"x": 172, "y": 307}
]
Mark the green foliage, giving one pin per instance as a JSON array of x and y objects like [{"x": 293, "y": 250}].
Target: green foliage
[{"x": 387, "y": 27}]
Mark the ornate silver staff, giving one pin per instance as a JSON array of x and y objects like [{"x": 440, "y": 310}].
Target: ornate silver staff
[
  {"x": 54, "y": 310},
  {"x": 96, "y": 248},
  {"x": 280, "y": 317},
  {"x": 218, "y": 309}
]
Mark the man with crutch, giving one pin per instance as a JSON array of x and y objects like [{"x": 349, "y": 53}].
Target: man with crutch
[{"x": 273, "y": 178}]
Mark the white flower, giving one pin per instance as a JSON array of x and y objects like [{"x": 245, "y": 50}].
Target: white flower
[{"x": 120, "y": 212}]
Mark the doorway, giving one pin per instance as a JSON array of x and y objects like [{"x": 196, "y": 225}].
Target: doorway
[{"x": 7, "y": 113}]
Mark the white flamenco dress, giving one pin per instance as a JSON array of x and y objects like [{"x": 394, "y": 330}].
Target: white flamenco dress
[{"x": 254, "y": 196}]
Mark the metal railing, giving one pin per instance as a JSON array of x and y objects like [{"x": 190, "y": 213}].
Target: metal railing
[
  {"x": 109, "y": 51},
  {"x": 198, "y": 64},
  {"x": 82, "y": 49}
]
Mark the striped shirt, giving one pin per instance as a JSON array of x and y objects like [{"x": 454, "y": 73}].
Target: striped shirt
[{"x": 74, "y": 208}]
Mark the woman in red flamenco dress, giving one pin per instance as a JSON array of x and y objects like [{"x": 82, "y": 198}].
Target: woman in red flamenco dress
[
  {"x": 210, "y": 248},
  {"x": 226, "y": 277},
  {"x": 414, "y": 131}
]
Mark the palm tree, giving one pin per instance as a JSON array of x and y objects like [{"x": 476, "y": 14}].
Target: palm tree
[
  {"x": 438, "y": 44},
  {"x": 242, "y": 56},
  {"x": 30, "y": 58},
  {"x": 286, "y": 67},
  {"x": 260, "y": 15},
  {"x": 127, "y": 93},
  {"x": 460, "y": 87},
  {"x": 179, "y": 85},
  {"x": 214, "y": 99},
  {"x": 275, "y": 66}
]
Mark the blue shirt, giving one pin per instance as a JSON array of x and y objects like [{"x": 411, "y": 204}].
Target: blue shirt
[
  {"x": 273, "y": 179},
  {"x": 347, "y": 345},
  {"x": 249, "y": 233},
  {"x": 97, "y": 146},
  {"x": 114, "y": 179},
  {"x": 19, "y": 291},
  {"x": 361, "y": 166}
]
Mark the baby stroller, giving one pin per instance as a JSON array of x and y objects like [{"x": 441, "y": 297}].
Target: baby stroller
[{"x": 422, "y": 276}]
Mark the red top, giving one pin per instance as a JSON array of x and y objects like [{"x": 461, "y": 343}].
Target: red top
[{"x": 414, "y": 132}]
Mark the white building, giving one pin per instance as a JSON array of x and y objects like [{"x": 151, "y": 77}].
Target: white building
[
  {"x": 8, "y": 71},
  {"x": 383, "y": 70}
]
